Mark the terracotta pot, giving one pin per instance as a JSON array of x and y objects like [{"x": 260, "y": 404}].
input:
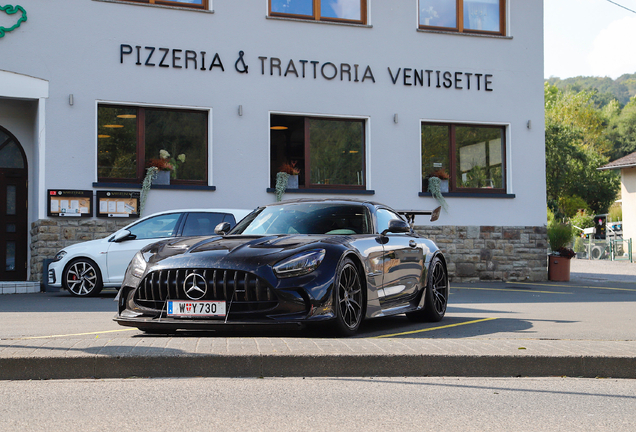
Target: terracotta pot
[{"x": 558, "y": 268}]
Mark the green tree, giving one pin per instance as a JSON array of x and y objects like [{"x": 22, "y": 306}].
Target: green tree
[
  {"x": 575, "y": 140},
  {"x": 621, "y": 131}
]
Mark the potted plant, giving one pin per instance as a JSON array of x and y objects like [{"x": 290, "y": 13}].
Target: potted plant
[
  {"x": 579, "y": 247},
  {"x": 559, "y": 237},
  {"x": 443, "y": 176},
  {"x": 163, "y": 168},
  {"x": 293, "y": 171}
]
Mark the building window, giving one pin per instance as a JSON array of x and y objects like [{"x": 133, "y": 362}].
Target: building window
[
  {"x": 465, "y": 16},
  {"x": 130, "y": 139},
  {"x": 198, "y": 4},
  {"x": 471, "y": 157},
  {"x": 325, "y": 152},
  {"x": 321, "y": 10}
]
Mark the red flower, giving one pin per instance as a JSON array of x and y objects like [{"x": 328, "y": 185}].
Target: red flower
[{"x": 161, "y": 164}]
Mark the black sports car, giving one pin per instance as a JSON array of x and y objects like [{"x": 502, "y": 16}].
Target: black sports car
[{"x": 335, "y": 261}]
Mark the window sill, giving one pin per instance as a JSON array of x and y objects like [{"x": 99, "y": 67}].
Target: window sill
[
  {"x": 470, "y": 195},
  {"x": 190, "y": 9},
  {"x": 138, "y": 186},
  {"x": 326, "y": 191},
  {"x": 492, "y": 36},
  {"x": 276, "y": 18}
]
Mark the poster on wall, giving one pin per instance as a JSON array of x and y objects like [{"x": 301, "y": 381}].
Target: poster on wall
[
  {"x": 70, "y": 203},
  {"x": 117, "y": 204}
]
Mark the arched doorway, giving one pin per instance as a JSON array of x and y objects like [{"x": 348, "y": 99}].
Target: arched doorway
[{"x": 13, "y": 209}]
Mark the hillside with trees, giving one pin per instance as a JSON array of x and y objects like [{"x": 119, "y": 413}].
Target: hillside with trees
[{"x": 604, "y": 89}]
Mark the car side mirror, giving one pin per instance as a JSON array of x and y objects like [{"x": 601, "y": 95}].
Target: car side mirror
[
  {"x": 222, "y": 228},
  {"x": 123, "y": 236},
  {"x": 397, "y": 226}
]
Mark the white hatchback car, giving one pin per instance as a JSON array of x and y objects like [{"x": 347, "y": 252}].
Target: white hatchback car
[{"x": 85, "y": 268}]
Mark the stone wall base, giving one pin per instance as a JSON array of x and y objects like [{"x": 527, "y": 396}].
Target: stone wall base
[
  {"x": 48, "y": 236},
  {"x": 487, "y": 253},
  {"x": 474, "y": 253}
]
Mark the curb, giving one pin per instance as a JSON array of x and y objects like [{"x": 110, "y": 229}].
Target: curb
[{"x": 340, "y": 365}]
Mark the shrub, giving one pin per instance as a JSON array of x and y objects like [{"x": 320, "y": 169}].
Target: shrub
[
  {"x": 579, "y": 245},
  {"x": 559, "y": 235},
  {"x": 582, "y": 220},
  {"x": 615, "y": 213}
]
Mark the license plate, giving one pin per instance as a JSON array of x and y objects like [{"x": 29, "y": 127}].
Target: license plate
[{"x": 196, "y": 308}]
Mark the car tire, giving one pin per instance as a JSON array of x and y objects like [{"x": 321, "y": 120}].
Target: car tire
[
  {"x": 348, "y": 299},
  {"x": 82, "y": 278},
  {"x": 437, "y": 290}
]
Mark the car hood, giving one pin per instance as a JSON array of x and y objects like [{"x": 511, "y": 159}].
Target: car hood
[
  {"x": 89, "y": 244},
  {"x": 232, "y": 250}
]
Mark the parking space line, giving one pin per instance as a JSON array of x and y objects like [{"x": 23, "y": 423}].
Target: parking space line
[
  {"x": 578, "y": 286},
  {"x": 433, "y": 328},
  {"x": 75, "y": 334},
  {"x": 515, "y": 290}
]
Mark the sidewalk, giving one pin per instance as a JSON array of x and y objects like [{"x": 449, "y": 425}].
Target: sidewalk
[
  {"x": 259, "y": 357},
  {"x": 582, "y": 271}
]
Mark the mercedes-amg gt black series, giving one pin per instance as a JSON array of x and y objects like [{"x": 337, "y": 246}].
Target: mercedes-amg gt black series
[{"x": 330, "y": 261}]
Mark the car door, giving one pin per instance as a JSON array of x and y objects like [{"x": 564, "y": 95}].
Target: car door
[
  {"x": 403, "y": 261},
  {"x": 147, "y": 231}
]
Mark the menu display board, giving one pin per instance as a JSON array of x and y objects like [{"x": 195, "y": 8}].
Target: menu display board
[
  {"x": 70, "y": 203},
  {"x": 118, "y": 204}
]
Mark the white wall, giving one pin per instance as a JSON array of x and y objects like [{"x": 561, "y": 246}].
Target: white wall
[{"x": 76, "y": 47}]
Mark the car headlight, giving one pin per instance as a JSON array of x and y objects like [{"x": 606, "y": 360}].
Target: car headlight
[
  {"x": 61, "y": 254},
  {"x": 300, "y": 264},
  {"x": 137, "y": 266}
]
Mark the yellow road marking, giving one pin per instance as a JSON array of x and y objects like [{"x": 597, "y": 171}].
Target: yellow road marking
[
  {"x": 512, "y": 290},
  {"x": 577, "y": 286},
  {"x": 76, "y": 334},
  {"x": 433, "y": 328}
]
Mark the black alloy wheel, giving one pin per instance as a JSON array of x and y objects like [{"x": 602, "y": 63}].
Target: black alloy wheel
[
  {"x": 82, "y": 278},
  {"x": 437, "y": 290},
  {"x": 349, "y": 299}
]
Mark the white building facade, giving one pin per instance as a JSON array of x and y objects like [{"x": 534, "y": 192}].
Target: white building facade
[{"x": 365, "y": 99}]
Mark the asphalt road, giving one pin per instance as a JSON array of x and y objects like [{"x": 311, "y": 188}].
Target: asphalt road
[
  {"x": 604, "y": 310},
  {"x": 320, "y": 404},
  {"x": 599, "y": 303}
]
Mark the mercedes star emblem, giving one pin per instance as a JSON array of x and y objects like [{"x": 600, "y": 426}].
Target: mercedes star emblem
[{"x": 195, "y": 286}]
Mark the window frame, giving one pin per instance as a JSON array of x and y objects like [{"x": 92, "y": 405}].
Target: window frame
[
  {"x": 317, "y": 16},
  {"x": 460, "y": 21},
  {"x": 202, "y": 6},
  {"x": 452, "y": 149},
  {"x": 307, "y": 151},
  {"x": 140, "y": 137}
]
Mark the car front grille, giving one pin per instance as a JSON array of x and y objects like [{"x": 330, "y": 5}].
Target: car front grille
[{"x": 246, "y": 291}]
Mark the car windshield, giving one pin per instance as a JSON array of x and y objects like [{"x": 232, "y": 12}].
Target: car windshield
[{"x": 306, "y": 218}]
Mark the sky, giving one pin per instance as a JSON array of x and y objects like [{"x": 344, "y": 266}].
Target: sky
[{"x": 589, "y": 38}]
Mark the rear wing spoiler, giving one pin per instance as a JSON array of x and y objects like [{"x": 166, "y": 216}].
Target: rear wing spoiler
[{"x": 410, "y": 214}]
